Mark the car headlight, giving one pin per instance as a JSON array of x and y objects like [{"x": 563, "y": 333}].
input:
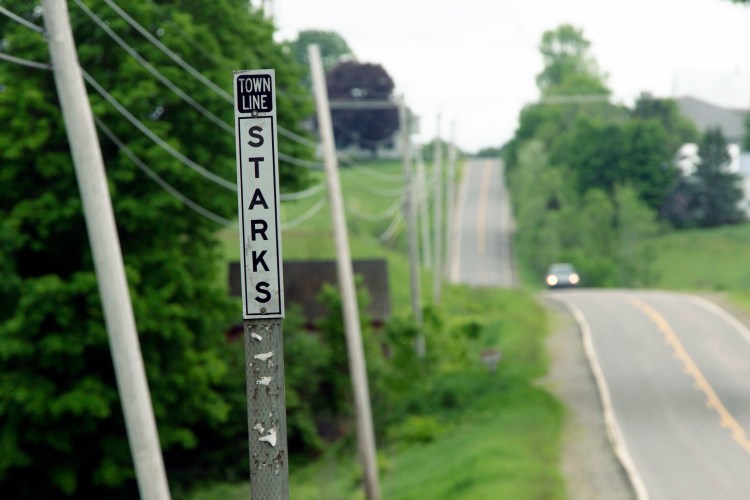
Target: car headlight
[
  {"x": 574, "y": 278},
  {"x": 552, "y": 280}
]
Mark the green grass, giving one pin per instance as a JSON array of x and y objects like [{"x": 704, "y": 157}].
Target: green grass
[
  {"x": 704, "y": 259},
  {"x": 502, "y": 432}
]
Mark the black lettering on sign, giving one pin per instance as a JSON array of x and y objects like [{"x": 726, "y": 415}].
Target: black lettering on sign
[
  {"x": 257, "y": 200},
  {"x": 253, "y": 132},
  {"x": 262, "y": 288},
  {"x": 259, "y": 259},
  {"x": 254, "y": 94},
  {"x": 256, "y": 162},
  {"x": 258, "y": 227}
]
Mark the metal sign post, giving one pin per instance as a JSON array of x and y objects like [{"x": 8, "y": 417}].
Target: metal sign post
[{"x": 262, "y": 280}]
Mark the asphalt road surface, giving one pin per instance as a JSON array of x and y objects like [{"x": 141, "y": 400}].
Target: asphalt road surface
[
  {"x": 674, "y": 375},
  {"x": 480, "y": 252}
]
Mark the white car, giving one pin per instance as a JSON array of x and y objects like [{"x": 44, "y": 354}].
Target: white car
[{"x": 562, "y": 275}]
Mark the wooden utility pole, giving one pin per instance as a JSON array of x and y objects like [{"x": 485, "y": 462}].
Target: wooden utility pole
[
  {"x": 105, "y": 247},
  {"x": 410, "y": 206},
  {"x": 451, "y": 201},
  {"x": 424, "y": 211},
  {"x": 365, "y": 432},
  {"x": 262, "y": 281},
  {"x": 437, "y": 279}
]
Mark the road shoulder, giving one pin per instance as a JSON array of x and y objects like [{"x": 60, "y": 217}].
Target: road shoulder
[{"x": 588, "y": 462}]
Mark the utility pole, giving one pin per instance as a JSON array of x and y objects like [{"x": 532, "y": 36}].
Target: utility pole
[
  {"x": 105, "y": 247},
  {"x": 365, "y": 432},
  {"x": 438, "y": 234},
  {"x": 411, "y": 224},
  {"x": 262, "y": 281},
  {"x": 451, "y": 200},
  {"x": 424, "y": 212}
]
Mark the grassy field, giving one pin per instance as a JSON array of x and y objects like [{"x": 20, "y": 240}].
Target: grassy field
[
  {"x": 704, "y": 259},
  {"x": 472, "y": 433}
]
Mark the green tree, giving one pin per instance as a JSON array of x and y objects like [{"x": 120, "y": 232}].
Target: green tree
[
  {"x": 62, "y": 430},
  {"x": 603, "y": 154},
  {"x": 333, "y": 48},
  {"x": 680, "y": 129},
  {"x": 719, "y": 191},
  {"x": 709, "y": 196},
  {"x": 570, "y": 77},
  {"x": 569, "y": 68},
  {"x": 545, "y": 208},
  {"x": 362, "y": 82}
]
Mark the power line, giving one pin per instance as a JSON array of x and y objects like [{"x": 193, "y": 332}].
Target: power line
[
  {"x": 389, "y": 212},
  {"x": 384, "y": 193},
  {"x": 177, "y": 59},
  {"x": 174, "y": 88},
  {"x": 151, "y": 135},
  {"x": 156, "y": 178},
  {"x": 303, "y": 194},
  {"x": 21, "y": 20},
  {"x": 395, "y": 224},
  {"x": 302, "y": 140},
  {"x": 300, "y": 163},
  {"x": 151, "y": 69},
  {"x": 166, "y": 50},
  {"x": 25, "y": 62},
  {"x": 305, "y": 216}
]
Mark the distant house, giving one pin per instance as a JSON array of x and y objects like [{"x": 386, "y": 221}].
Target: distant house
[
  {"x": 744, "y": 171},
  {"x": 706, "y": 115},
  {"x": 714, "y": 99}
]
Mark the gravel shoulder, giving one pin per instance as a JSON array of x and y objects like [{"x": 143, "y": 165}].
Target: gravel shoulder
[{"x": 589, "y": 465}]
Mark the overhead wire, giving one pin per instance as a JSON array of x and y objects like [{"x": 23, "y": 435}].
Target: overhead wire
[
  {"x": 305, "y": 216},
  {"x": 176, "y": 58},
  {"x": 388, "y": 212},
  {"x": 189, "y": 100},
  {"x": 21, "y": 20},
  {"x": 395, "y": 224},
  {"x": 161, "y": 182},
  {"x": 303, "y": 194},
  {"x": 151, "y": 69},
  {"x": 116, "y": 104},
  {"x": 182, "y": 158},
  {"x": 24, "y": 62},
  {"x": 158, "y": 140},
  {"x": 168, "y": 52},
  {"x": 157, "y": 179}
]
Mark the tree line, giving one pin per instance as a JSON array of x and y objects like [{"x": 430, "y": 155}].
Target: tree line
[{"x": 593, "y": 181}]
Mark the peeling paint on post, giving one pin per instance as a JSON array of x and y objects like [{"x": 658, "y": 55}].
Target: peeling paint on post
[{"x": 262, "y": 281}]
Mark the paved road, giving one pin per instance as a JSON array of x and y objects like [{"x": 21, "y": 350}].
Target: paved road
[
  {"x": 675, "y": 373},
  {"x": 481, "y": 248}
]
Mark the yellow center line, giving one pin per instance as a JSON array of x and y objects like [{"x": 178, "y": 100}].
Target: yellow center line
[
  {"x": 482, "y": 213},
  {"x": 726, "y": 420}
]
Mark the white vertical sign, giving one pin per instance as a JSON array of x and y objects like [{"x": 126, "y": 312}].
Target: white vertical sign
[{"x": 258, "y": 194}]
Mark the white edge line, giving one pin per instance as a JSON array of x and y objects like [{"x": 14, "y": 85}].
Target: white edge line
[
  {"x": 610, "y": 421},
  {"x": 723, "y": 314}
]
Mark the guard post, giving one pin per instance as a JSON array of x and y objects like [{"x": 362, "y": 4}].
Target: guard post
[{"x": 262, "y": 281}]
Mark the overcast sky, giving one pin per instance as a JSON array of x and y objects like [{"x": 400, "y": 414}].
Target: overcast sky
[{"x": 474, "y": 61}]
